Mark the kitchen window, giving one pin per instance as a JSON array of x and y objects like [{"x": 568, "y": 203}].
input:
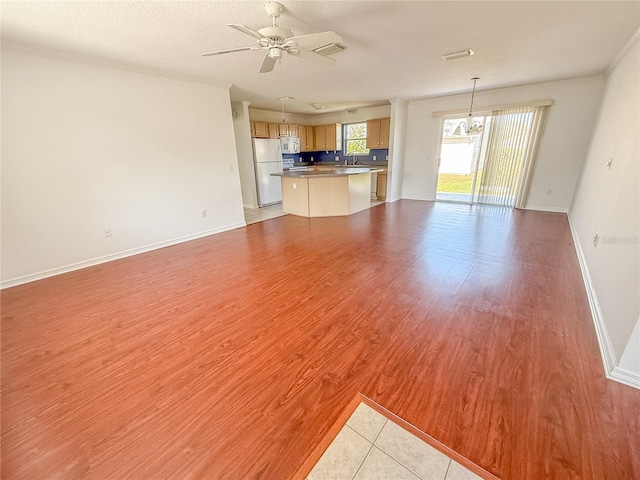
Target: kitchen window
[{"x": 355, "y": 139}]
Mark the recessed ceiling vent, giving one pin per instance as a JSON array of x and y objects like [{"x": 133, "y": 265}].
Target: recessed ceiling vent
[{"x": 329, "y": 49}]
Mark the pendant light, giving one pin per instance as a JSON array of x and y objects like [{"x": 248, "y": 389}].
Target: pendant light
[
  {"x": 282, "y": 100},
  {"x": 470, "y": 127}
]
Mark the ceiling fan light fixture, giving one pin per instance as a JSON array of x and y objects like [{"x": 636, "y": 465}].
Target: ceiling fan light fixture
[
  {"x": 461, "y": 54},
  {"x": 282, "y": 99},
  {"x": 275, "y": 52},
  {"x": 319, "y": 106}
]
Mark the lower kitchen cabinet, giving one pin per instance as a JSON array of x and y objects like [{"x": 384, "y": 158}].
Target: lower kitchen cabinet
[{"x": 381, "y": 191}]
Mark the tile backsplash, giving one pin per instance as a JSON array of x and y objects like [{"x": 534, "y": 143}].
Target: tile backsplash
[{"x": 329, "y": 157}]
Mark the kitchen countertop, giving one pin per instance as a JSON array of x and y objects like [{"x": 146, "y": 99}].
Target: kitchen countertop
[{"x": 328, "y": 171}]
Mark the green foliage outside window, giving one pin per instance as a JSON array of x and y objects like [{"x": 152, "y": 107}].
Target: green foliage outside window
[{"x": 355, "y": 135}]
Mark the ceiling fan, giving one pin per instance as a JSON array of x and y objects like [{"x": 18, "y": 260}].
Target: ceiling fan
[{"x": 277, "y": 40}]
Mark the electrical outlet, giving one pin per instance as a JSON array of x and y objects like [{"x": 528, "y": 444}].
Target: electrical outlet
[
  {"x": 337, "y": 158},
  {"x": 230, "y": 168},
  {"x": 374, "y": 158},
  {"x": 294, "y": 185},
  {"x": 107, "y": 232},
  {"x": 203, "y": 213},
  {"x": 595, "y": 239}
]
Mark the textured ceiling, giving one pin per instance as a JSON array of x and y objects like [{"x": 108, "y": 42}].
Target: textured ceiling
[{"x": 393, "y": 48}]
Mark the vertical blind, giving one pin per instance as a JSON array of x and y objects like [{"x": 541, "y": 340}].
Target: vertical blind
[{"x": 512, "y": 147}]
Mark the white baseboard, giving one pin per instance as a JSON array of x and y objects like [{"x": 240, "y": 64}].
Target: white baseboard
[
  {"x": 540, "y": 208},
  {"x": 422, "y": 199},
  {"x": 611, "y": 370},
  {"x": 625, "y": 376},
  {"x": 113, "y": 256}
]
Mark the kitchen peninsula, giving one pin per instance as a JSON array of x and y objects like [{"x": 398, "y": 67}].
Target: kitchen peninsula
[{"x": 326, "y": 191}]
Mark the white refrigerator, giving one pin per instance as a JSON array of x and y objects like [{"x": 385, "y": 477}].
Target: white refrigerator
[{"x": 267, "y": 156}]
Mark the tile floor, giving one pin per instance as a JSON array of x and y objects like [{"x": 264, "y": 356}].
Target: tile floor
[
  {"x": 254, "y": 215},
  {"x": 371, "y": 447}
]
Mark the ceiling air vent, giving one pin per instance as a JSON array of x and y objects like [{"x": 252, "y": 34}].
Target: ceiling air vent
[{"x": 329, "y": 49}]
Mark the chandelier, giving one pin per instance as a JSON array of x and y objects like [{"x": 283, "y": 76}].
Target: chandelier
[{"x": 470, "y": 127}]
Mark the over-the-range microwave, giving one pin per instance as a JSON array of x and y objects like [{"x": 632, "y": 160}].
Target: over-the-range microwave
[{"x": 290, "y": 144}]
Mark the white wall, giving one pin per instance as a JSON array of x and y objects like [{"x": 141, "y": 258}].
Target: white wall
[
  {"x": 246, "y": 167},
  {"x": 607, "y": 202},
  {"x": 86, "y": 147},
  {"x": 361, "y": 115},
  {"x": 342, "y": 116},
  {"x": 562, "y": 151},
  {"x": 269, "y": 116},
  {"x": 630, "y": 360}
]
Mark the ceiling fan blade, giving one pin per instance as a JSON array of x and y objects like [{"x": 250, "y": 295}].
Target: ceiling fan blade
[
  {"x": 230, "y": 50},
  {"x": 246, "y": 30},
  {"x": 313, "y": 56},
  {"x": 267, "y": 64},
  {"x": 314, "y": 40}
]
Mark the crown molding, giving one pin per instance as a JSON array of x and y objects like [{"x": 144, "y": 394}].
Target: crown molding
[{"x": 105, "y": 63}]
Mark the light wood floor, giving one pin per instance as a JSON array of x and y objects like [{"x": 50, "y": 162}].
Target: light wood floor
[{"x": 231, "y": 356}]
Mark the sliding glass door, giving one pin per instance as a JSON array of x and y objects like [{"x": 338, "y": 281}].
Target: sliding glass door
[
  {"x": 511, "y": 152},
  {"x": 493, "y": 166},
  {"x": 461, "y": 160}
]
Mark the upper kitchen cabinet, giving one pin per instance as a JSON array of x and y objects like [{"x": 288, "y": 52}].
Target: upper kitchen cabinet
[
  {"x": 378, "y": 133},
  {"x": 306, "y": 138},
  {"x": 286, "y": 130},
  {"x": 274, "y": 130},
  {"x": 328, "y": 137},
  {"x": 260, "y": 129},
  {"x": 294, "y": 131}
]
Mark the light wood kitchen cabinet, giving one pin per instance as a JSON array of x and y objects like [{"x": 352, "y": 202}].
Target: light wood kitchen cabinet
[
  {"x": 286, "y": 130},
  {"x": 319, "y": 137},
  {"x": 378, "y": 133},
  {"x": 260, "y": 129},
  {"x": 328, "y": 137},
  {"x": 306, "y": 138},
  {"x": 381, "y": 190},
  {"x": 274, "y": 130}
]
